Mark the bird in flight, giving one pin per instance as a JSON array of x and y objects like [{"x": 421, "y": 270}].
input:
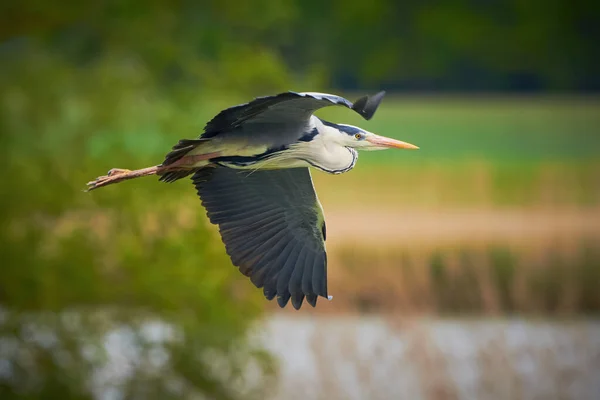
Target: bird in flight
[{"x": 250, "y": 168}]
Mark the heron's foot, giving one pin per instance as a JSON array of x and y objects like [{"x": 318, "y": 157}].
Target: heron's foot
[
  {"x": 112, "y": 176},
  {"x": 117, "y": 171}
]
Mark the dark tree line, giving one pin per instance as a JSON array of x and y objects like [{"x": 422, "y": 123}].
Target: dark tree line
[{"x": 459, "y": 45}]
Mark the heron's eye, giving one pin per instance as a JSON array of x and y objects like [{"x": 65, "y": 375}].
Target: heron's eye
[{"x": 358, "y": 136}]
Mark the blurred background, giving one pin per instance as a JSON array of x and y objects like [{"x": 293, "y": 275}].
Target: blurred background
[{"x": 468, "y": 269}]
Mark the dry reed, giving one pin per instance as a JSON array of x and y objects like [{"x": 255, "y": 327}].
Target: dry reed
[{"x": 547, "y": 279}]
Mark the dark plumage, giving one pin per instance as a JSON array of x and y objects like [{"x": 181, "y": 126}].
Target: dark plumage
[{"x": 268, "y": 223}]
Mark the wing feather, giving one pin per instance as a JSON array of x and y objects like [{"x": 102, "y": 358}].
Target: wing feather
[
  {"x": 306, "y": 279},
  {"x": 320, "y": 276},
  {"x": 287, "y": 270},
  {"x": 295, "y": 281},
  {"x": 272, "y": 226},
  {"x": 291, "y": 109}
]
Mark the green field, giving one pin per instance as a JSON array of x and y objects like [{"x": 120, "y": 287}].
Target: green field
[
  {"x": 498, "y": 130},
  {"x": 477, "y": 151}
]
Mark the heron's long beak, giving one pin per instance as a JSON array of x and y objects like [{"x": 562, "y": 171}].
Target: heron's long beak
[{"x": 382, "y": 141}]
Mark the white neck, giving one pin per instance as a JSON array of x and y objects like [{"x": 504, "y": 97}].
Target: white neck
[{"x": 325, "y": 151}]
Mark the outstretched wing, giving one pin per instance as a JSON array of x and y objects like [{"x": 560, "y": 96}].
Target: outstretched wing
[
  {"x": 289, "y": 108},
  {"x": 273, "y": 228}
]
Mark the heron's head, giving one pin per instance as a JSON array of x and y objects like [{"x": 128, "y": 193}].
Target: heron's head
[{"x": 360, "y": 139}]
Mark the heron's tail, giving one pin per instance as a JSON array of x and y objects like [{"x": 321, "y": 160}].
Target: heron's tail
[
  {"x": 176, "y": 165},
  {"x": 179, "y": 151},
  {"x": 117, "y": 175}
]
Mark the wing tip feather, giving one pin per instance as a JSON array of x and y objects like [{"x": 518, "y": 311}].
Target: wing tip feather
[
  {"x": 283, "y": 299},
  {"x": 297, "y": 300},
  {"x": 311, "y": 299},
  {"x": 366, "y": 106}
]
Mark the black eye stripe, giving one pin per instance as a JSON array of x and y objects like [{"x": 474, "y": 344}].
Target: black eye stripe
[{"x": 350, "y": 130}]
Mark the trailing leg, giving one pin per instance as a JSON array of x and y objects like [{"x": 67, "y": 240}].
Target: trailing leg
[
  {"x": 117, "y": 175},
  {"x": 178, "y": 169}
]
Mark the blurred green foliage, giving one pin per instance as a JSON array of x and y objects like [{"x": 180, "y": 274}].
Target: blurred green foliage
[
  {"x": 78, "y": 267},
  {"x": 265, "y": 45}
]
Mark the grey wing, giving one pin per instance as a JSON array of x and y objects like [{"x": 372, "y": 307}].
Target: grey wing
[
  {"x": 273, "y": 228},
  {"x": 289, "y": 109}
]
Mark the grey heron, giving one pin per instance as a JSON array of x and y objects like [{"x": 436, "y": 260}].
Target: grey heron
[{"x": 250, "y": 168}]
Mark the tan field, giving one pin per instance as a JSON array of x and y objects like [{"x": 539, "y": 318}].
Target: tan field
[{"x": 391, "y": 228}]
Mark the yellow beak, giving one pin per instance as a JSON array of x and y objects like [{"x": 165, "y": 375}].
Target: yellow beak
[{"x": 382, "y": 141}]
